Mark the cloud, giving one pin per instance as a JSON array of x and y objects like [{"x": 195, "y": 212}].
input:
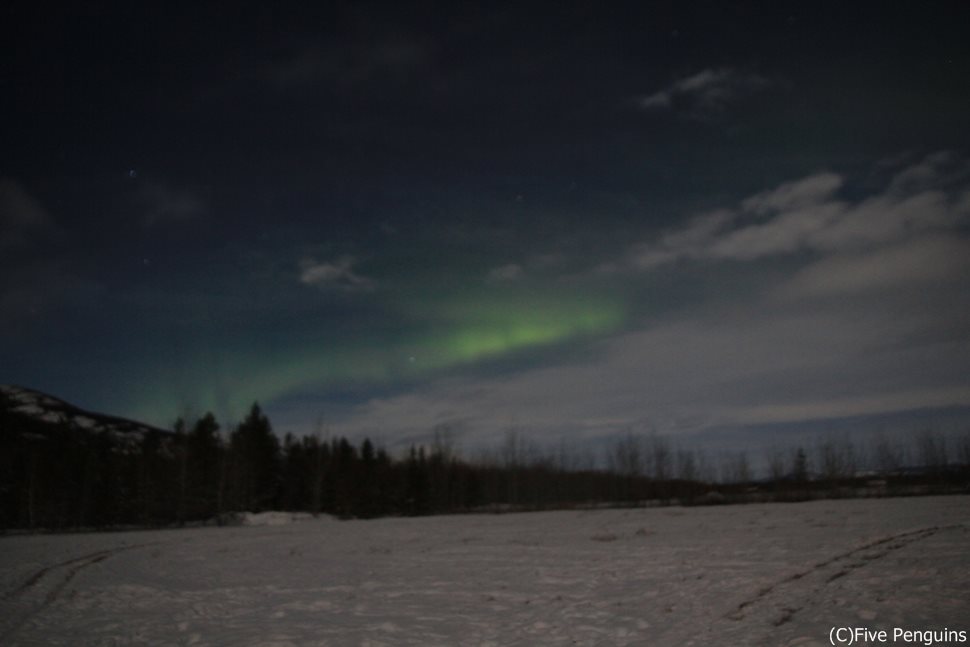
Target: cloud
[
  {"x": 504, "y": 273},
  {"x": 161, "y": 202},
  {"x": 30, "y": 291},
  {"x": 350, "y": 62},
  {"x": 335, "y": 275},
  {"x": 750, "y": 366},
  {"x": 789, "y": 196},
  {"x": 923, "y": 174},
  {"x": 704, "y": 94},
  {"x": 785, "y": 233},
  {"x": 807, "y": 215},
  {"x": 867, "y": 316},
  {"x": 926, "y": 260},
  {"x": 691, "y": 241},
  {"x": 37, "y": 276},
  {"x": 843, "y": 407},
  {"x": 21, "y": 216}
]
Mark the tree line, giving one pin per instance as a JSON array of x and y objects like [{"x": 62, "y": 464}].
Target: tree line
[{"x": 56, "y": 475}]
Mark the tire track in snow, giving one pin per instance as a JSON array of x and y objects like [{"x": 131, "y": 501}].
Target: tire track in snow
[
  {"x": 61, "y": 574},
  {"x": 820, "y": 575}
]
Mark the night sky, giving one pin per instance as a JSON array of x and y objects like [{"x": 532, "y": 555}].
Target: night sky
[{"x": 727, "y": 223}]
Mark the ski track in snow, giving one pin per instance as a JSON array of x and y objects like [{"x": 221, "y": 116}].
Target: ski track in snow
[
  {"x": 44, "y": 587},
  {"x": 774, "y": 574},
  {"x": 834, "y": 568}
]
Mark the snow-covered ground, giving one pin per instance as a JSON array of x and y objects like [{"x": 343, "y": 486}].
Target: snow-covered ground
[{"x": 777, "y": 574}]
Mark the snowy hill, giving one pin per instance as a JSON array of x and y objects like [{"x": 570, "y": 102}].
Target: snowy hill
[{"x": 39, "y": 411}]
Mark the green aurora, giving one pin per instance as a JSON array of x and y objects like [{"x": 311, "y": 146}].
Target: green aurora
[{"x": 458, "y": 333}]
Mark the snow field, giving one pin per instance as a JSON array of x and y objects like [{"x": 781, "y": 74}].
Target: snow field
[{"x": 774, "y": 574}]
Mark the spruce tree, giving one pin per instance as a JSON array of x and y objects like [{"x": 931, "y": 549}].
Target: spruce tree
[{"x": 255, "y": 462}]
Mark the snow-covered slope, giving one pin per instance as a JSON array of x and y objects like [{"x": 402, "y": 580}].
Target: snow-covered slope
[
  {"x": 19, "y": 403},
  {"x": 773, "y": 575}
]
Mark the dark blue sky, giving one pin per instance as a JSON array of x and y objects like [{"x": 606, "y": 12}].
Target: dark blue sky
[{"x": 570, "y": 219}]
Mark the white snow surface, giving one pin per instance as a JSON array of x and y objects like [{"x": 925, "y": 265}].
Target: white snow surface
[
  {"x": 771, "y": 574},
  {"x": 272, "y": 518}
]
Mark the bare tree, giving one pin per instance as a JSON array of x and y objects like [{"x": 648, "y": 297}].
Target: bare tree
[
  {"x": 836, "y": 458},
  {"x": 777, "y": 465},
  {"x": 706, "y": 472},
  {"x": 513, "y": 451},
  {"x": 740, "y": 469},
  {"x": 800, "y": 466},
  {"x": 566, "y": 458},
  {"x": 660, "y": 458},
  {"x": 686, "y": 465},
  {"x": 443, "y": 442},
  {"x": 626, "y": 458},
  {"x": 888, "y": 457},
  {"x": 931, "y": 449},
  {"x": 963, "y": 450}
]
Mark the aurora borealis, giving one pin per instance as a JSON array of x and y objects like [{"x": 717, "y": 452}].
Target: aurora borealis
[
  {"x": 724, "y": 223},
  {"x": 460, "y": 332}
]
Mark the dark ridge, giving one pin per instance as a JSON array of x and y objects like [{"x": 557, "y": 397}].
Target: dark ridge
[{"x": 14, "y": 399}]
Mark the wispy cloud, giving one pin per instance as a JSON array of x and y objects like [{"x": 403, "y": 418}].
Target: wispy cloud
[
  {"x": 924, "y": 260},
  {"x": 372, "y": 56},
  {"x": 334, "y": 275},
  {"x": 37, "y": 274},
  {"x": 37, "y": 287},
  {"x": 161, "y": 202},
  {"x": 867, "y": 316},
  {"x": 753, "y": 366},
  {"x": 705, "y": 94},
  {"x": 505, "y": 273},
  {"x": 795, "y": 195},
  {"x": 807, "y": 215},
  {"x": 21, "y": 215},
  {"x": 688, "y": 242},
  {"x": 941, "y": 169}
]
